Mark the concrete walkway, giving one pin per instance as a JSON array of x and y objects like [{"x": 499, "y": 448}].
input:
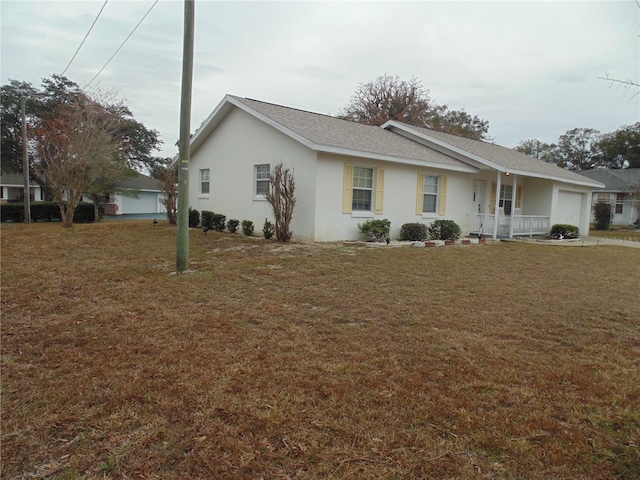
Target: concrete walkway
[{"x": 579, "y": 242}]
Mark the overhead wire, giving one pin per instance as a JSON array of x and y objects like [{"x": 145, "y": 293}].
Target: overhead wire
[
  {"x": 85, "y": 37},
  {"x": 122, "y": 44}
]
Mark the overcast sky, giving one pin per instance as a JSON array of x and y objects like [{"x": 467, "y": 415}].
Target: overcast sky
[{"x": 529, "y": 68}]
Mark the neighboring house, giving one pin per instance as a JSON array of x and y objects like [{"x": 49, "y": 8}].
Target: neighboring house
[
  {"x": 347, "y": 173},
  {"x": 621, "y": 190},
  {"x": 144, "y": 196},
  {"x": 12, "y": 188}
]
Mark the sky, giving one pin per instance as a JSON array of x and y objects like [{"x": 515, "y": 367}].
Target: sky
[{"x": 530, "y": 68}]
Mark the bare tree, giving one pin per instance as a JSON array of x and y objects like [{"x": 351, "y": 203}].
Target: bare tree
[
  {"x": 168, "y": 181},
  {"x": 390, "y": 98},
  {"x": 282, "y": 200},
  {"x": 75, "y": 148}
]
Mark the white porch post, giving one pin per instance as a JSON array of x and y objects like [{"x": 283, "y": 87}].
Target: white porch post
[
  {"x": 496, "y": 207},
  {"x": 513, "y": 205}
]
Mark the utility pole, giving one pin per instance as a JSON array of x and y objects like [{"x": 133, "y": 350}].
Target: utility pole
[
  {"x": 184, "y": 154},
  {"x": 25, "y": 163}
]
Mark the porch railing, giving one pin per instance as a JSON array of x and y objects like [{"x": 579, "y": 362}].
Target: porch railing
[{"x": 482, "y": 224}]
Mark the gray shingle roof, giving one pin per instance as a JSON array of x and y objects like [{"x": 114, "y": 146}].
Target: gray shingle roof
[
  {"x": 16, "y": 179},
  {"x": 140, "y": 182},
  {"x": 615, "y": 180},
  {"x": 398, "y": 142},
  {"x": 507, "y": 158},
  {"x": 326, "y": 131}
]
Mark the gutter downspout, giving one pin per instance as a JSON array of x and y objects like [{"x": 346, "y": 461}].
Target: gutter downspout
[{"x": 496, "y": 207}]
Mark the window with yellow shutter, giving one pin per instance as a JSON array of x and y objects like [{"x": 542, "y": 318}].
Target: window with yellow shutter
[{"x": 431, "y": 194}]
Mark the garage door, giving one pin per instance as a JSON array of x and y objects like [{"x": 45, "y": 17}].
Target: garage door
[
  {"x": 147, "y": 202},
  {"x": 569, "y": 207}
]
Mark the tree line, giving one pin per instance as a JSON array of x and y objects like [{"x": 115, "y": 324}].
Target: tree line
[
  {"x": 587, "y": 148},
  {"x": 78, "y": 143}
]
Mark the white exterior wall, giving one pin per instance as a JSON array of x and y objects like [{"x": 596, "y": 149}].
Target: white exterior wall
[
  {"x": 231, "y": 152},
  {"x": 399, "y": 205},
  {"x": 536, "y": 196}
]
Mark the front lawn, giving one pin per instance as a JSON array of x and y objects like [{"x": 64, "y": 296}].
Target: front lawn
[{"x": 513, "y": 360}]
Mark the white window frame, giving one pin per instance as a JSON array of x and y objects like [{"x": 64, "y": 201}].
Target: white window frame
[
  {"x": 261, "y": 179},
  {"x": 436, "y": 195},
  {"x": 506, "y": 196},
  {"x": 204, "y": 181},
  {"x": 361, "y": 188}
]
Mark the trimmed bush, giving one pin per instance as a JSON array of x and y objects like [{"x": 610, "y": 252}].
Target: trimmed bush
[
  {"x": 232, "y": 225},
  {"x": 194, "y": 218},
  {"x": 413, "y": 232},
  {"x": 206, "y": 219},
  {"x": 560, "y": 230},
  {"x": 219, "y": 222},
  {"x": 213, "y": 221},
  {"x": 247, "y": 227},
  {"x": 602, "y": 214},
  {"x": 444, "y": 230},
  {"x": 375, "y": 230},
  {"x": 45, "y": 212},
  {"x": 267, "y": 229}
]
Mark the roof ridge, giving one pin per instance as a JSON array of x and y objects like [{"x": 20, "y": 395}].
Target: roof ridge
[{"x": 308, "y": 111}]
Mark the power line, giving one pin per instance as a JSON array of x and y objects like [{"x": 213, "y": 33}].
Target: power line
[
  {"x": 122, "y": 45},
  {"x": 85, "y": 37}
]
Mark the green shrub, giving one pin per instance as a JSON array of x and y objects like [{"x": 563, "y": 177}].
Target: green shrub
[
  {"x": 602, "y": 214},
  {"x": 414, "y": 232},
  {"x": 444, "y": 230},
  {"x": 232, "y": 225},
  {"x": 247, "y": 227},
  {"x": 219, "y": 222},
  {"x": 194, "y": 218},
  {"x": 46, "y": 212},
  {"x": 560, "y": 230},
  {"x": 213, "y": 221},
  {"x": 267, "y": 229},
  {"x": 206, "y": 219},
  {"x": 375, "y": 230},
  {"x": 13, "y": 212}
]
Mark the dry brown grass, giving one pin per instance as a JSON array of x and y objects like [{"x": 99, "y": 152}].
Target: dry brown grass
[{"x": 269, "y": 361}]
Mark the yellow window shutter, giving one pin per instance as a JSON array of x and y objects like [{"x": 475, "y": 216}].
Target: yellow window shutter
[
  {"x": 443, "y": 194},
  {"x": 347, "y": 195},
  {"x": 420, "y": 194},
  {"x": 518, "y": 196},
  {"x": 492, "y": 202},
  {"x": 379, "y": 190}
]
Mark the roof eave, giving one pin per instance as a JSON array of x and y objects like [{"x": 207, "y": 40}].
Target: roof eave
[
  {"x": 441, "y": 146},
  {"x": 393, "y": 159}
]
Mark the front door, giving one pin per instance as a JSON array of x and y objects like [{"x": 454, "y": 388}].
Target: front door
[{"x": 478, "y": 196}]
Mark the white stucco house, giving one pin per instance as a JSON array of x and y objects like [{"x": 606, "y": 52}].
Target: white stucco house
[
  {"x": 621, "y": 190},
  {"x": 347, "y": 173},
  {"x": 12, "y": 188}
]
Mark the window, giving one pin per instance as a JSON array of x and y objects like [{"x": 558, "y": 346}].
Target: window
[
  {"x": 431, "y": 195},
  {"x": 506, "y": 195},
  {"x": 604, "y": 198},
  {"x": 262, "y": 179},
  {"x": 430, "y": 191},
  {"x": 204, "y": 181},
  {"x": 619, "y": 202},
  {"x": 362, "y": 189}
]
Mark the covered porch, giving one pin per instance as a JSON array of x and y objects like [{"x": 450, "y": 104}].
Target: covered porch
[{"x": 509, "y": 225}]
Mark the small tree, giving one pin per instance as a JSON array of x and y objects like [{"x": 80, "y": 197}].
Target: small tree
[
  {"x": 282, "y": 200},
  {"x": 602, "y": 214},
  {"x": 76, "y": 148}
]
